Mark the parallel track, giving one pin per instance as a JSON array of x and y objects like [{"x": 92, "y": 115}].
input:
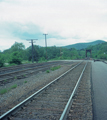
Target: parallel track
[
  {"x": 49, "y": 101},
  {"x": 23, "y": 66},
  {"x": 22, "y": 73}
]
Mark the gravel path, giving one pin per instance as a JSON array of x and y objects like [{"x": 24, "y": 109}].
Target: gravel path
[{"x": 26, "y": 87}]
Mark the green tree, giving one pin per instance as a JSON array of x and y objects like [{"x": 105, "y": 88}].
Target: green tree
[
  {"x": 1, "y": 60},
  {"x": 17, "y": 47},
  {"x": 15, "y": 58}
]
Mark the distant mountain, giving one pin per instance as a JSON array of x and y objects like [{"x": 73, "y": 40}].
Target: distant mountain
[{"x": 79, "y": 46}]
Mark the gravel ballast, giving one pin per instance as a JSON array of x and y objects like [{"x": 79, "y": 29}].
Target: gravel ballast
[
  {"x": 81, "y": 108},
  {"x": 82, "y": 104},
  {"x": 27, "y": 86}
]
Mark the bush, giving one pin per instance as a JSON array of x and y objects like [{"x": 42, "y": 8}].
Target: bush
[
  {"x": 15, "y": 58},
  {"x": 102, "y": 56},
  {"x": 47, "y": 71},
  {"x": 1, "y": 61},
  {"x": 3, "y": 91}
]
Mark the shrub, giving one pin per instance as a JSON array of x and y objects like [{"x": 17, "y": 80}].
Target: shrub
[
  {"x": 25, "y": 81},
  {"x": 3, "y": 91},
  {"x": 12, "y": 87},
  {"x": 1, "y": 61},
  {"x": 48, "y": 71},
  {"x": 15, "y": 58}
]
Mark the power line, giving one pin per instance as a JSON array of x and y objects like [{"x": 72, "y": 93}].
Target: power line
[
  {"x": 32, "y": 47},
  {"x": 46, "y": 45}
]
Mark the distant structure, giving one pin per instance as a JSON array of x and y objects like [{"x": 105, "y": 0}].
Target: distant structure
[{"x": 87, "y": 52}]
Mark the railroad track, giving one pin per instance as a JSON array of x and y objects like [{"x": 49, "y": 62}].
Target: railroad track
[
  {"x": 25, "y": 66},
  {"x": 81, "y": 108},
  {"x": 51, "y": 101},
  {"x": 7, "y": 77}
]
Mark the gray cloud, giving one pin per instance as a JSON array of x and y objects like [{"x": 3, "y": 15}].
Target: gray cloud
[{"x": 65, "y": 21}]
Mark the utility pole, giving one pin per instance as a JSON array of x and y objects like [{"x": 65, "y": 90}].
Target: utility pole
[
  {"x": 46, "y": 45},
  {"x": 60, "y": 53},
  {"x": 32, "y": 48}
]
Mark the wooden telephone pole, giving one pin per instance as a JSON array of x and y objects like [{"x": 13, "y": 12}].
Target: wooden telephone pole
[
  {"x": 32, "y": 48},
  {"x": 46, "y": 45}
]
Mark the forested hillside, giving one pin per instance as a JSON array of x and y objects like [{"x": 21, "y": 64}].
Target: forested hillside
[
  {"x": 17, "y": 54},
  {"x": 79, "y": 46},
  {"x": 99, "y": 51}
]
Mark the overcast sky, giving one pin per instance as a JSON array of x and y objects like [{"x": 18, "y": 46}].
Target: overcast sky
[{"x": 65, "y": 21}]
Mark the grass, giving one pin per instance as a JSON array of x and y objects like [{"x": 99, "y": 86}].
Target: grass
[
  {"x": 24, "y": 75},
  {"x": 55, "y": 68},
  {"x": 3, "y": 91},
  {"x": 25, "y": 81},
  {"x": 5, "y": 80},
  {"x": 47, "y": 71},
  {"x": 15, "y": 77},
  {"x": 13, "y": 86}
]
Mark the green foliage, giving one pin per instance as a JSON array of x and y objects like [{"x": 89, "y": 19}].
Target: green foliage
[
  {"x": 47, "y": 71},
  {"x": 1, "y": 61},
  {"x": 15, "y": 77},
  {"x": 79, "y": 46},
  {"x": 13, "y": 86},
  {"x": 24, "y": 75},
  {"x": 55, "y": 68},
  {"x": 17, "y": 54},
  {"x": 16, "y": 47},
  {"x": 3, "y": 91},
  {"x": 102, "y": 56},
  {"x": 99, "y": 51},
  {"x": 15, "y": 58},
  {"x": 25, "y": 81}
]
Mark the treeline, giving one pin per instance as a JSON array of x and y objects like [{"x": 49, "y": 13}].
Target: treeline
[
  {"x": 17, "y": 54},
  {"x": 99, "y": 51}
]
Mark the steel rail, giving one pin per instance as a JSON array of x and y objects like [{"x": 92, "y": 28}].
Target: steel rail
[
  {"x": 25, "y": 69},
  {"x": 20, "y": 71},
  {"x": 25, "y": 66},
  {"x": 37, "y": 66},
  {"x": 20, "y": 105},
  {"x": 69, "y": 103},
  {"x": 17, "y": 66}
]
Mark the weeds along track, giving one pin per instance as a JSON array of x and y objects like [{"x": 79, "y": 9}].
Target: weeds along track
[
  {"x": 49, "y": 102},
  {"x": 8, "y": 76}
]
